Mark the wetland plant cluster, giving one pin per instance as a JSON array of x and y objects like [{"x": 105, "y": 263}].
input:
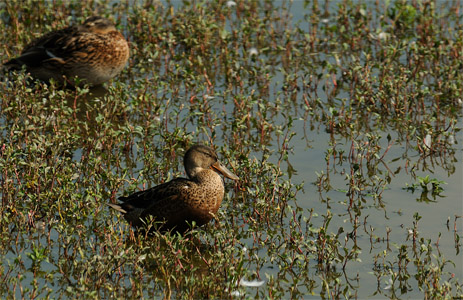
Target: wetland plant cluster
[{"x": 253, "y": 80}]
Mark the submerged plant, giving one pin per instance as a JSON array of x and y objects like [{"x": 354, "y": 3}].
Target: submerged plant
[{"x": 357, "y": 97}]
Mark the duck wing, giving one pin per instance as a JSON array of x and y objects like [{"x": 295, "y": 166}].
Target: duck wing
[
  {"x": 156, "y": 195},
  {"x": 166, "y": 202},
  {"x": 52, "y": 48}
]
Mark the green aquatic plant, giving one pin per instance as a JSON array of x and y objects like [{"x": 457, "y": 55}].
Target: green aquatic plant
[
  {"x": 427, "y": 185},
  {"x": 357, "y": 97}
]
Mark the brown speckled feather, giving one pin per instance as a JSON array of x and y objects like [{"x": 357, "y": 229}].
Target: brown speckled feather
[
  {"x": 94, "y": 51},
  {"x": 181, "y": 201}
]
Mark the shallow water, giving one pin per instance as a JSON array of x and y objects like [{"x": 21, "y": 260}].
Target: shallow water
[
  {"x": 378, "y": 223},
  {"x": 397, "y": 214}
]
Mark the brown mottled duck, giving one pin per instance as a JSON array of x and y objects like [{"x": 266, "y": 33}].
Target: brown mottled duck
[
  {"x": 94, "y": 51},
  {"x": 181, "y": 201}
]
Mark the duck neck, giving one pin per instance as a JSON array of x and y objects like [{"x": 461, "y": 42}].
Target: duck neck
[{"x": 207, "y": 177}]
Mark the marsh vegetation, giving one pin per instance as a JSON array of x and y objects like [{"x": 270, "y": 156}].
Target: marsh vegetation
[{"x": 342, "y": 120}]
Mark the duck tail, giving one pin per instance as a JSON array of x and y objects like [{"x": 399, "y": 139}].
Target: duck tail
[{"x": 12, "y": 65}]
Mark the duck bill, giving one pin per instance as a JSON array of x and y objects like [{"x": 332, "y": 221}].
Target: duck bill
[{"x": 218, "y": 167}]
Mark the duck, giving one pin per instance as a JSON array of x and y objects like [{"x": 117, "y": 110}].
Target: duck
[
  {"x": 181, "y": 202},
  {"x": 94, "y": 51}
]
